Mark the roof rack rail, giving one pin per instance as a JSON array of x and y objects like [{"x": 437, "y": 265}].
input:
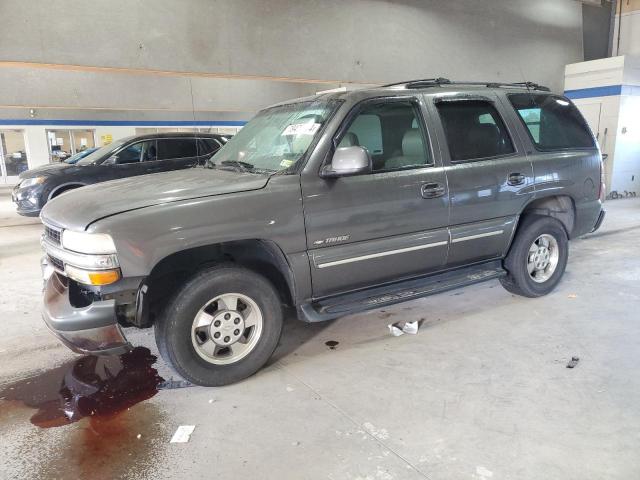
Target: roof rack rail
[
  {"x": 436, "y": 82},
  {"x": 427, "y": 82}
]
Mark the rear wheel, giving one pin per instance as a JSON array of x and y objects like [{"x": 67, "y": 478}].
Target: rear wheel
[
  {"x": 538, "y": 257},
  {"x": 221, "y": 326}
]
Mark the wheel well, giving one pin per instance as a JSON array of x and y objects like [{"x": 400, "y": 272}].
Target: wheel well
[
  {"x": 560, "y": 207},
  {"x": 64, "y": 188},
  {"x": 262, "y": 256}
]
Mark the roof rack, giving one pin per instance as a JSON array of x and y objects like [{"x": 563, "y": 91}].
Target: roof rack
[{"x": 436, "y": 82}]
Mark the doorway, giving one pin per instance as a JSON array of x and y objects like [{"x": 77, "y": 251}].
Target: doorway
[{"x": 13, "y": 155}]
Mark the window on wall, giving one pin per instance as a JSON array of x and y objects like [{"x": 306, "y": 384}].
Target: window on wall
[
  {"x": 553, "y": 122},
  {"x": 392, "y": 134},
  {"x": 474, "y": 130},
  {"x": 64, "y": 143}
]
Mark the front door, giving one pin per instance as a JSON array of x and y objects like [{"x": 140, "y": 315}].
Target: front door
[
  {"x": 386, "y": 225},
  {"x": 490, "y": 177}
]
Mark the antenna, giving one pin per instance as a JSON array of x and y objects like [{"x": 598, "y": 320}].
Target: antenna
[{"x": 195, "y": 130}]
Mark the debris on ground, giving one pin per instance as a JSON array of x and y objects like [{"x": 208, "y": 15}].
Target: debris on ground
[
  {"x": 411, "y": 327},
  {"x": 332, "y": 344},
  {"x": 172, "y": 384},
  {"x": 574, "y": 361},
  {"x": 139, "y": 436},
  {"x": 572, "y": 295},
  {"x": 183, "y": 433},
  {"x": 397, "y": 329}
]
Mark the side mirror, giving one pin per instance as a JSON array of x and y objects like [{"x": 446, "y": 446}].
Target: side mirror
[
  {"x": 112, "y": 160},
  {"x": 348, "y": 161}
]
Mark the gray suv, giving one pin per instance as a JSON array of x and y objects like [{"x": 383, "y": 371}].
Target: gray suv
[{"x": 332, "y": 204}]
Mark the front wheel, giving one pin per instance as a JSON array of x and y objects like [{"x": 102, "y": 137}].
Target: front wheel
[
  {"x": 221, "y": 326},
  {"x": 538, "y": 257}
]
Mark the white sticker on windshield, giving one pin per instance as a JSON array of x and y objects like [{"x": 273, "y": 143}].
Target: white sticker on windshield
[{"x": 307, "y": 128}]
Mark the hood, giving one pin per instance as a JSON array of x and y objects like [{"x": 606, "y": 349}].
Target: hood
[
  {"x": 78, "y": 208},
  {"x": 44, "y": 170}
]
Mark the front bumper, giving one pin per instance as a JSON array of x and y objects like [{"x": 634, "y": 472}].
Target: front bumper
[
  {"x": 92, "y": 329},
  {"x": 27, "y": 200}
]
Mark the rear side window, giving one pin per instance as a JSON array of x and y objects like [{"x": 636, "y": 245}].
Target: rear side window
[
  {"x": 176, "y": 148},
  {"x": 554, "y": 123},
  {"x": 207, "y": 146},
  {"x": 474, "y": 130}
]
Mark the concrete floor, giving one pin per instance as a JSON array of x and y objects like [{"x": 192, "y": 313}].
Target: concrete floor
[{"x": 481, "y": 392}]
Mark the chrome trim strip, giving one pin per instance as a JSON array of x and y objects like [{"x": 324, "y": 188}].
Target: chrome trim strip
[
  {"x": 381, "y": 254},
  {"x": 80, "y": 260},
  {"x": 479, "y": 235}
]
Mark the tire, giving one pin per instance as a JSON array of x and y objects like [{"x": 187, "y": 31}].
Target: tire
[
  {"x": 187, "y": 349},
  {"x": 540, "y": 229}
]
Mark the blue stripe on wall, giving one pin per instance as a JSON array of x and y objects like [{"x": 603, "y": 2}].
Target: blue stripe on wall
[
  {"x": 124, "y": 123},
  {"x": 606, "y": 91}
]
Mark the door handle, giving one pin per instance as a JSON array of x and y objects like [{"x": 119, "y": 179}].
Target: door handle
[
  {"x": 432, "y": 190},
  {"x": 516, "y": 179}
]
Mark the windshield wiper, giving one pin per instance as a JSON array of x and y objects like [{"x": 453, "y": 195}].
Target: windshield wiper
[{"x": 238, "y": 163}]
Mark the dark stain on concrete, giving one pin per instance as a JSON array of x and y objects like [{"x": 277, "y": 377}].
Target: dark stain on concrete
[{"x": 112, "y": 439}]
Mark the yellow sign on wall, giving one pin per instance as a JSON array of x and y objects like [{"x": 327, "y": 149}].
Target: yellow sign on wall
[{"x": 106, "y": 139}]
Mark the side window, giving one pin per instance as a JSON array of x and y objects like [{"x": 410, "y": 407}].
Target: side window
[
  {"x": 392, "y": 134},
  {"x": 169, "y": 148},
  {"x": 553, "y": 122},
  {"x": 474, "y": 130},
  {"x": 130, "y": 154},
  {"x": 207, "y": 146}
]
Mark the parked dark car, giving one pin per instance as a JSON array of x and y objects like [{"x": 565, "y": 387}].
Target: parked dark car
[{"x": 127, "y": 157}]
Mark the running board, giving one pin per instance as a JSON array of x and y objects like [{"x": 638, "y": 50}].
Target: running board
[{"x": 377, "y": 297}]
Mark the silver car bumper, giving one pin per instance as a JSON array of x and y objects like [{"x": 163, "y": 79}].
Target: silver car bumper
[{"x": 93, "y": 329}]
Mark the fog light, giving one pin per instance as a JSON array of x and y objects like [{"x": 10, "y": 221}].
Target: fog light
[{"x": 89, "y": 277}]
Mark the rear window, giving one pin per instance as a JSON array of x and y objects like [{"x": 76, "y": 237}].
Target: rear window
[{"x": 553, "y": 122}]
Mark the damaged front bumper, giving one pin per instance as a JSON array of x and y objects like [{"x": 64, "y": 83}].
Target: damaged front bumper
[{"x": 91, "y": 329}]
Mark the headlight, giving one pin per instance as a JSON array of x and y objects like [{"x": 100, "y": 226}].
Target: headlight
[
  {"x": 88, "y": 242},
  {"x": 29, "y": 182}
]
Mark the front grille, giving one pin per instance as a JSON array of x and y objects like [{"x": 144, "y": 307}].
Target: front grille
[
  {"x": 52, "y": 234},
  {"x": 56, "y": 263}
]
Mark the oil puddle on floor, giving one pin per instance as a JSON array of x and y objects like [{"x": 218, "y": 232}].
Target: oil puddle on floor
[
  {"x": 87, "y": 387},
  {"x": 110, "y": 438}
]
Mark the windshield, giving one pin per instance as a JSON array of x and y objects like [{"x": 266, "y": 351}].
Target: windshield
[
  {"x": 75, "y": 158},
  {"x": 275, "y": 139},
  {"x": 102, "y": 154}
]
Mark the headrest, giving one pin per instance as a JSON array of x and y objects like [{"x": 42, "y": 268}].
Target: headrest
[
  {"x": 412, "y": 143},
  {"x": 350, "y": 139}
]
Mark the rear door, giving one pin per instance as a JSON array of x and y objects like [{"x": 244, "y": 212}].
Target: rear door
[
  {"x": 383, "y": 226},
  {"x": 173, "y": 154},
  {"x": 490, "y": 178}
]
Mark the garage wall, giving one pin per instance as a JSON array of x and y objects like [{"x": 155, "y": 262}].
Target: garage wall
[
  {"x": 626, "y": 32},
  {"x": 366, "y": 41},
  {"x": 144, "y": 62}
]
